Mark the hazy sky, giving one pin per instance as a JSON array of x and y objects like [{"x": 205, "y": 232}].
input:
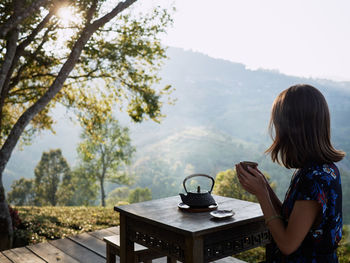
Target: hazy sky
[{"x": 309, "y": 38}]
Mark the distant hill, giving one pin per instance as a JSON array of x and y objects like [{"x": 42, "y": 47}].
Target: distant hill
[
  {"x": 227, "y": 96},
  {"x": 220, "y": 117}
]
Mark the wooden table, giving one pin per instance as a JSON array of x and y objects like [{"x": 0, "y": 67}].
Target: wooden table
[{"x": 190, "y": 237}]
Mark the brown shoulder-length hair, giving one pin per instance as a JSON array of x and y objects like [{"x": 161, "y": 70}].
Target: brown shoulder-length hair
[{"x": 300, "y": 129}]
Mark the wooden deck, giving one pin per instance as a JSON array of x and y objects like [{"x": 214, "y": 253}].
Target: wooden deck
[{"x": 84, "y": 248}]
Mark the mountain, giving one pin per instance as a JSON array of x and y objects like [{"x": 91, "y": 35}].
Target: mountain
[{"x": 220, "y": 117}]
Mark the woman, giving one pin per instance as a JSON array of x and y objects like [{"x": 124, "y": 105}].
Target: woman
[{"x": 307, "y": 227}]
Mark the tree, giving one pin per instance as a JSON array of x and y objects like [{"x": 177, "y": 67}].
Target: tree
[
  {"x": 45, "y": 61},
  {"x": 65, "y": 190},
  {"x": 105, "y": 148},
  {"x": 118, "y": 195},
  {"x": 227, "y": 184},
  {"x": 22, "y": 192},
  {"x": 139, "y": 195},
  {"x": 160, "y": 175},
  {"x": 125, "y": 195},
  {"x": 75, "y": 188},
  {"x": 49, "y": 172},
  {"x": 85, "y": 189}
]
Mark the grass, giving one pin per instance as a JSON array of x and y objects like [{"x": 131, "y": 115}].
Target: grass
[{"x": 39, "y": 224}]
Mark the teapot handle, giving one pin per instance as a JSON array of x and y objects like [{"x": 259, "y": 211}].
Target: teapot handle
[{"x": 194, "y": 175}]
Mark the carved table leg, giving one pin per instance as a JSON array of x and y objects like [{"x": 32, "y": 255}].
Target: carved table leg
[
  {"x": 194, "y": 250},
  {"x": 127, "y": 254}
]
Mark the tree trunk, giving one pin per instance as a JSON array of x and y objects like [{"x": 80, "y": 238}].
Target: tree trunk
[
  {"x": 6, "y": 230},
  {"x": 103, "y": 195}
]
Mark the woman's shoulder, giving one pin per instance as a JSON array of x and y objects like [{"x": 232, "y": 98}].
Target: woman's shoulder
[
  {"x": 324, "y": 172},
  {"x": 319, "y": 182}
]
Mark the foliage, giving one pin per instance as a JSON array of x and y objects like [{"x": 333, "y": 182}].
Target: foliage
[
  {"x": 85, "y": 187},
  {"x": 119, "y": 194},
  {"x": 50, "y": 171},
  {"x": 163, "y": 165},
  {"x": 252, "y": 255},
  {"x": 105, "y": 148},
  {"x": 76, "y": 188},
  {"x": 47, "y": 223},
  {"x": 343, "y": 251},
  {"x": 227, "y": 184},
  {"x": 22, "y": 192},
  {"x": 16, "y": 221},
  {"x": 122, "y": 55},
  {"x": 125, "y": 195},
  {"x": 52, "y": 183},
  {"x": 159, "y": 175},
  {"x": 66, "y": 189},
  {"x": 139, "y": 195}
]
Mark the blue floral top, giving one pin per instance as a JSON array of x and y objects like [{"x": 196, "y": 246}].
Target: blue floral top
[{"x": 321, "y": 183}]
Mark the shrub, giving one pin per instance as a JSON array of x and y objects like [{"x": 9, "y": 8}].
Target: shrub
[
  {"x": 39, "y": 224},
  {"x": 16, "y": 221}
]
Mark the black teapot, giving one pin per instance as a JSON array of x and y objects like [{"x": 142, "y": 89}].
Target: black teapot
[{"x": 198, "y": 200}]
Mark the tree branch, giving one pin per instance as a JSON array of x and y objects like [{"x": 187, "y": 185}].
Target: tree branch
[
  {"x": 85, "y": 77},
  {"x": 11, "y": 46},
  {"x": 91, "y": 12},
  {"x": 30, "y": 96},
  {"x": 89, "y": 75},
  {"x": 34, "y": 33},
  {"x": 108, "y": 17},
  {"x": 20, "y": 53},
  {"x": 5, "y": 86},
  {"x": 18, "y": 17}
]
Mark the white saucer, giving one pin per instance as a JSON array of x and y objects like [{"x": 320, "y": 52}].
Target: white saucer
[
  {"x": 185, "y": 207},
  {"x": 222, "y": 213}
]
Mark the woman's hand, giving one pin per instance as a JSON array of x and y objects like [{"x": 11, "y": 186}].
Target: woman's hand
[{"x": 253, "y": 181}]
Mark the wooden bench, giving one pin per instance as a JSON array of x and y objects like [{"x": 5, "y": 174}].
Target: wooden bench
[{"x": 142, "y": 253}]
